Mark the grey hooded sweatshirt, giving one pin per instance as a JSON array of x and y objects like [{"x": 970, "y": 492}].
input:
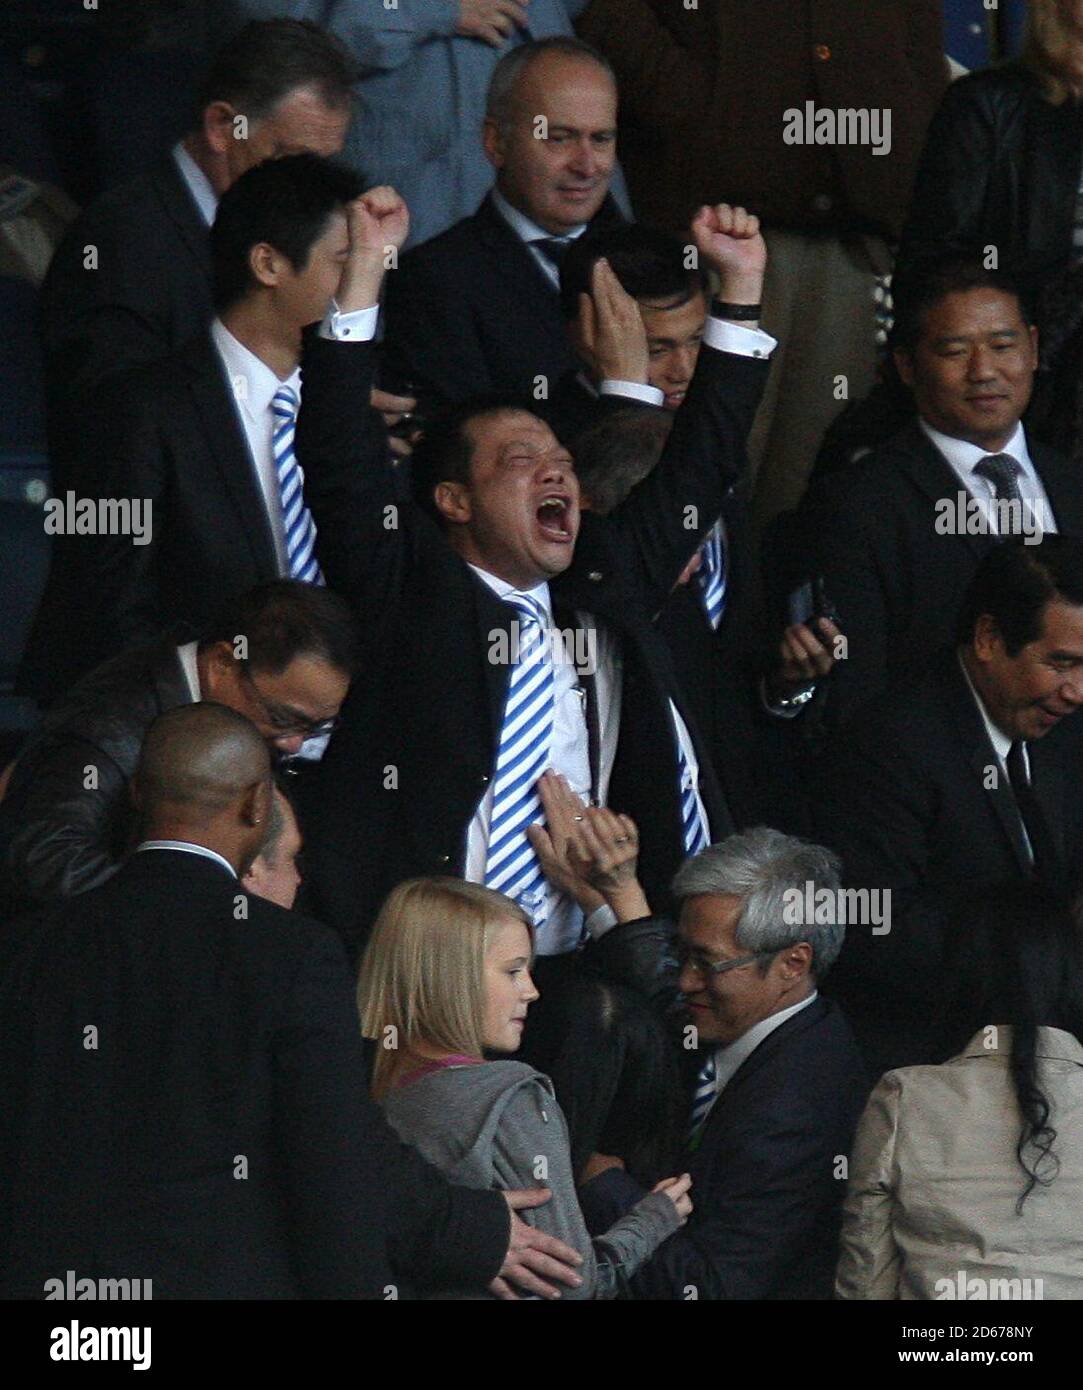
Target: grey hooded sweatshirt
[{"x": 498, "y": 1125}]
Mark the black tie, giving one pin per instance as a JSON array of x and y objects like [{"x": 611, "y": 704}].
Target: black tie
[
  {"x": 553, "y": 248},
  {"x": 1003, "y": 471},
  {"x": 1047, "y": 865}
]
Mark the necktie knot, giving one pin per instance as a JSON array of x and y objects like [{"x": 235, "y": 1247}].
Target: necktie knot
[
  {"x": 285, "y": 403},
  {"x": 1003, "y": 472},
  {"x": 553, "y": 248}
]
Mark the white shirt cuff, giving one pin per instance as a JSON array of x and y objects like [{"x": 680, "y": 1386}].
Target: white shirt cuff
[
  {"x": 727, "y": 336},
  {"x": 600, "y": 921},
  {"x": 356, "y": 327},
  {"x": 635, "y": 390}
]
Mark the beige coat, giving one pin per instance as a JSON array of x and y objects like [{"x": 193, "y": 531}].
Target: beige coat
[{"x": 930, "y": 1209}]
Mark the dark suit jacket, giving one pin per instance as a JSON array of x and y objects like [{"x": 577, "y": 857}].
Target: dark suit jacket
[
  {"x": 704, "y": 90},
  {"x": 220, "y": 1041},
  {"x": 470, "y": 313},
  {"x": 403, "y": 776},
  {"x": 766, "y": 1178},
  {"x": 905, "y": 798},
  {"x": 896, "y": 582},
  {"x": 169, "y": 434},
  {"x": 59, "y": 836},
  {"x": 147, "y": 292},
  {"x": 718, "y": 670}
]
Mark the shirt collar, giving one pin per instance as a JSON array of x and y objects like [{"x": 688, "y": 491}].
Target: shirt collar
[
  {"x": 197, "y": 183},
  {"x": 729, "y": 1058},
  {"x": 964, "y": 457},
  {"x": 525, "y": 229},
  {"x": 189, "y": 664},
  {"x": 997, "y": 737},
  {"x": 502, "y": 589},
  {"x": 186, "y": 848},
  {"x": 252, "y": 381}
]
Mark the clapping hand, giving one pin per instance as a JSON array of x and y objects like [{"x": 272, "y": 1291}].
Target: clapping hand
[{"x": 491, "y": 20}]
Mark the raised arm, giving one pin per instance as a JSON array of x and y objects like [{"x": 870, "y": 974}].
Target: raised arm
[{"x": 667, "y": 515}]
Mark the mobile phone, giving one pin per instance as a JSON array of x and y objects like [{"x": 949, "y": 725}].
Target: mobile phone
[{"x": 808, "y": 604}]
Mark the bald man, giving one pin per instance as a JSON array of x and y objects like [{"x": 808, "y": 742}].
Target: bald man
[{"x": 182, "y": 1082}]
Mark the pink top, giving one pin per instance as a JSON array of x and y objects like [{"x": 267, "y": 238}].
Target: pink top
[{"x": 456, "y": 1059}]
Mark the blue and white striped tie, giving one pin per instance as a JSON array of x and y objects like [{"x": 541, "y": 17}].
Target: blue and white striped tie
[
  {"x": 694, "y": 832},
  {"x": 702, "y": 1099},
  {"x": 711, "y": 576},
  {"x": 296, "y": 518},
  {"x": 511, "y": 866}
]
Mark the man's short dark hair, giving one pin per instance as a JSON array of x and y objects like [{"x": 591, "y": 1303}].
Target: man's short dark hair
[
  {"x": 286, "y": 202},
  {"x": 615, "y": 454},
  {"x": 922, "y": 286},
  {"x": 1015, "y": 582},
  {"x": 269, "y": 58},
  {"x": 650, "y": 264},
  {"x": 284, "y": 619},
  {"x": 444, "y": 452}
]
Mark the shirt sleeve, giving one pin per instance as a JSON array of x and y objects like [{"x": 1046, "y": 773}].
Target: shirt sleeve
[
  {"x": 726, "y": 336},
  {"x": 634, "y": 390},
  {"x": 358, "y": 326}
]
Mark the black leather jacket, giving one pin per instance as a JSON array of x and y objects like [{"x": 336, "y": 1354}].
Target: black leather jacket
[
  {"x": 1001, "y": 167},
  {"x": 59, "y": 835}
]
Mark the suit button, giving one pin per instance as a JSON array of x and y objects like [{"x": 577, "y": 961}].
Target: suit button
[
  {"x": 595, "y": 576},
  {"x": 484, "y": 779},
  {"x": 444, "y": 859},
  {"x": 822, "y": 52}
]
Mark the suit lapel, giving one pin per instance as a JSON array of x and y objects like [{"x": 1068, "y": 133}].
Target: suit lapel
[
  {"x": 982, "y": 758},
  {"x": 1061, "y": 481},
  {"x": 183, "y": 213},
  {"x": 931, "y": 473},
  {"x": 227, "y": 446}
]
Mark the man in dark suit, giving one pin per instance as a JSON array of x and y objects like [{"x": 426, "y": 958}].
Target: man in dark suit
[
  {"x": 205, "y": 1124},
  {"x": 902, "y": 530},
  {"x": 66, "y": 821},
  {"x": 711, "y": 619},
  {"x": 777, "y": 1086},
  {"x": 131, "y": 282},
  {"x": 961, "y": 778},
  {"x": 204, "y": 439},
  {"x": 493, "y": 553},
  {"x": 476, "y": 310}
]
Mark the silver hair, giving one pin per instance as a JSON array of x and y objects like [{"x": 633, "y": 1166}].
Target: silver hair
[
  {"x": 500, "y": 97},
  {"x": 766, "y": 868}
]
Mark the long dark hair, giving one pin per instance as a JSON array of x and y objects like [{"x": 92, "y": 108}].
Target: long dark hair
[{"x": 1016, "y": 959}]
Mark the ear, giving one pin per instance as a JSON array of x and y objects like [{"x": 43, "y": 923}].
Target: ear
[
  {"x": 256, "y": 804},
  {"x": 904, "y": 365},
  {"x": 492, "y": 142},
  {"x": 453, "y": 502},
  {"x": 987, "y": 640},
  {"x": 265, "y": 264},
  {"x": 797, "y": 961},
  {"x": 218, "y": 128},
  {"x": 1034, "y": 342}
]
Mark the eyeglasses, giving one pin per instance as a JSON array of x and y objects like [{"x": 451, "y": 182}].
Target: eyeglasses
[
  {"x": 286, "y": 722},
  {"x": 689, "y": 959}
]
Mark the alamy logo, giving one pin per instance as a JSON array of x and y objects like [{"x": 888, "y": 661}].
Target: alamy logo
[
  {"x": 99, "y": 516},
  {"x": 570, "y": 646},
  {"x": 813, "y": 125},
  {"x": 850, "y": 907},
  {"x": 964, "y": 515},
  {"x": 975, "y": 1288},
  {"x": 72, "y": 1288}
]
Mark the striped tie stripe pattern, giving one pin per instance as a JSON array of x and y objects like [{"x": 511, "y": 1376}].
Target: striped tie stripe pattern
[
  {"x": 296, "y": 518},
  {"x": 702, "y": 1099},
  {"x": 711, "y": 576},
  {"x": 694, "y": 832},
  {"x": 512, "y": 867}
]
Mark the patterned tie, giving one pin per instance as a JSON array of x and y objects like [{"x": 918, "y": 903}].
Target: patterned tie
[
  {"x": 1002, "y": 471},
  {"x": 296, "y": 518},
  {"x": 511, "y": 866},
  {"x": 1044, "y": 854},
  {"x": 711, "y": 576},
  {"x": 694, "y": 832},
  {"x": 702, "y": 1099}
]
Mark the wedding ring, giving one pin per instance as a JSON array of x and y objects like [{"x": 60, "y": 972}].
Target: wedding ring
[
  {"x": 622, "y": 839},
  {"x": 577, "y": 818}
]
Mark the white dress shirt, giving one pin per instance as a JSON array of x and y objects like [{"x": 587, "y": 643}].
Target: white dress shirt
[
  {"x": 528, "y": 232},
  {"x": 197, "y": 183},
  {"x": 963, "y": 457},
  {"x": 253, "y": 385},
  {"x": 186, "y": 848},
  {"x": 570, "y": 756}
]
